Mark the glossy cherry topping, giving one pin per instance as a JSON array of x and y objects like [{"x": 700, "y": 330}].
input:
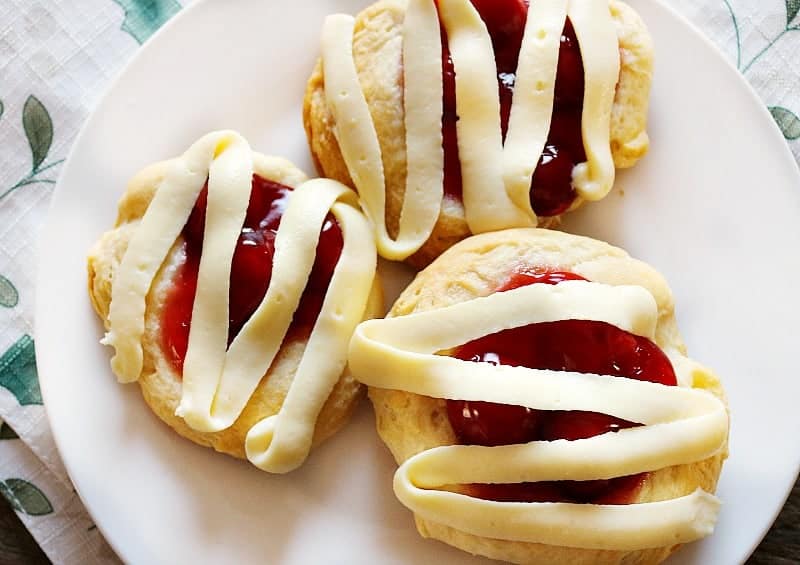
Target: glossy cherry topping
[
  {"x": 552, "y": 192},
  {"x": 251, "y": 269},
  {"x": 452, "y": 162},
  {"x": 568, "y": 345}
]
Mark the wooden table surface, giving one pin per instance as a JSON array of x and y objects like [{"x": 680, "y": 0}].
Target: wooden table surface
[{"x": 780, "y": 547}]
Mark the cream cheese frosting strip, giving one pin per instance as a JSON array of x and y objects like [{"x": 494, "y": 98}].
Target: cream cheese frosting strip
[
  {"x": 534, "y": 94},
  {"x": 217, "y": 384},
  {"x": 358, "y": 140},
  {"x": 587, "y": 526},
  {"x": 226, "y": 207},
  {"x": 424, "y": 102},
  {"x": 597, "y": 36},
  {"x": 680, "y": 425},
  {"x": 159, "y": 228},
  {"x": 487, "y": 205},
  {"x": 280, "y": 443}
]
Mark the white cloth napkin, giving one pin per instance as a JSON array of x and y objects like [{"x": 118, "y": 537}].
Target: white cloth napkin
[{"x": 56, "y": 58}]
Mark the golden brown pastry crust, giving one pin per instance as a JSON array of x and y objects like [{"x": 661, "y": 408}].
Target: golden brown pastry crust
[
  {"x": 409, "y": 423},
  {"x": 377, "y": 51},
  {"x": 160, "y": 384}
]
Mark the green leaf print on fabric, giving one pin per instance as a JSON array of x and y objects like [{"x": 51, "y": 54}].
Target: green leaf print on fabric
[
  {"x": 18, "y": 372},
  {"x": 738, "y": 37},
  {"x": 25, "y": 497},
  {"x": 38, "y": 129},
  {"x": 9, "y": 297},
  {"x": 792, "y": 7},
  {"x": 786, "y": 120},
  {"x": 6, "y": 432},
  {"x": 144, "y": 17}
]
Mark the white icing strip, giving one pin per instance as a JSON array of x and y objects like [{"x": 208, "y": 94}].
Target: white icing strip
[
  {"x": 589, "y": 526},
  {"x": 444, "y": 377},
  {"x": 685, "y": 368},
  {"x": 162, "y": 223},
  {"x": 681, "y": 425},
  {"x": 280, "y": 443},
  {"x": 358, "y": 140},
  {"x": 624, "y": 453},
  {"x": 597, "y": 36},
  {"x": 424, "y": 95},
  {"x": 354, "y": 128},
  {"x": 628, "y": 307},
  {"x": 480, "y": 145},
  {"x": 278, "y": 169},
  {"x": 534, "y": 91},
  {"x": 229, "y": 185}
]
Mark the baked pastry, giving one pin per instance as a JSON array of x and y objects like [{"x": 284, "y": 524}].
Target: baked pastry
[
  {"x": 404, "y": 105},
  {"x": 229, "y": 289},
  {"x": 516, "y": 463}
]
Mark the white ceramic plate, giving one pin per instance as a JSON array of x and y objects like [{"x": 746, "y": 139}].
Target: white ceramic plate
[{"x": 715, "y": 206}]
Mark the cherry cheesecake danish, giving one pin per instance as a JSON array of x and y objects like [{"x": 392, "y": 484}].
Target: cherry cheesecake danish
[
  {"x": 452, "y": 117},
  {"x": 229, "y": 288},
  {"x": 534, "y": 389}
]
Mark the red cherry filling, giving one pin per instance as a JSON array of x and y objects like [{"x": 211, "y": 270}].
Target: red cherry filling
[
  {"x": 452, "y": 162},
  {"x": 551, "y": 189},
  {"x": 567, "y": 345},
  {"x": 251, "y": 269}
]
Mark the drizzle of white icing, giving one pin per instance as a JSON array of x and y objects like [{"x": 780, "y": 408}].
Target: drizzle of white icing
[
  {"x": 487, "y": 205},
  {"x": 534, "y": 93},
  {"x": 358, "y": 139},
  {"x": 594, "y": 26}
]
